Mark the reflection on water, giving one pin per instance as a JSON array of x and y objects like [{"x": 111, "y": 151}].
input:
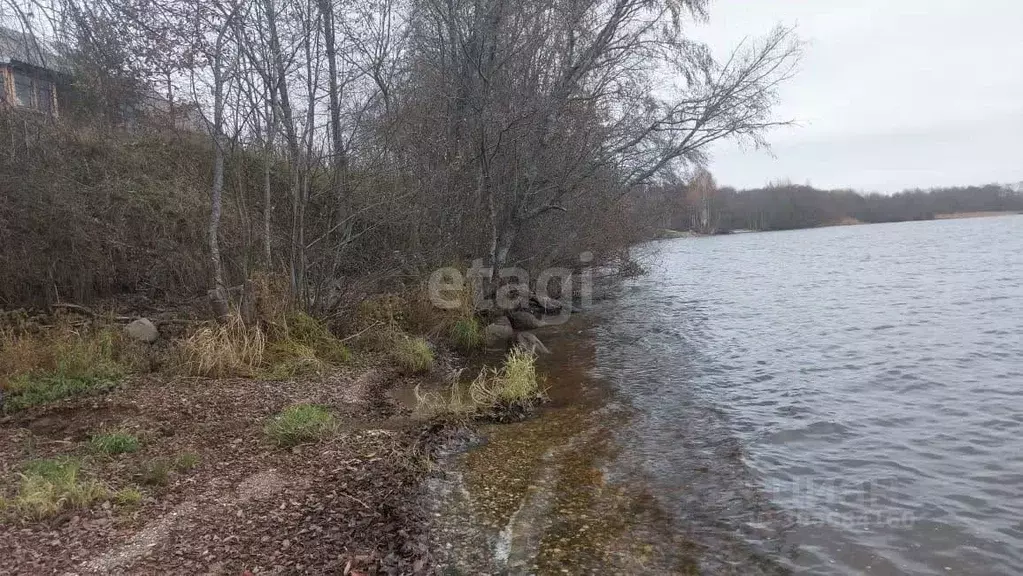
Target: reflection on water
[{"x": 834, "y": 401}]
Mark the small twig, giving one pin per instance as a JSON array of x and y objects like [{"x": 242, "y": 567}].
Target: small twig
[
  {"x": 77, "y": 308},
  {"x": 90, "y": 312},
  {"x": 350, "y": 497},
  {"x": 360, "y": 332}
]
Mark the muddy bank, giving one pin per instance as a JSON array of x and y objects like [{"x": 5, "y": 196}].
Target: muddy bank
[
  {"x": 537, "y": 496},
  {"x": 389, "y": 493}
]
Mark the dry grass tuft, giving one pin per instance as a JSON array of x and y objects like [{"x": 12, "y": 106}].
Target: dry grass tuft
[
  {"x": 410, "y": 311},
  {"x": 25, "y": 353},
  {"x": 455, "y": 404},
  {"x": 129, "y": 496},
  {"x": 515, "y": 386},
  {"x": 223, "y": 350},
  {"x": 278, "y": 344},
  {"x": 384, "y": 309},
  {"x": 301, "y": 344},
  {"x": 272, "y": 298},
  {"x": 412, "y": 355},
  {"x": 186, "y": 461},
  {"x": 293, "y": 363},
  {"x": 157, "y": 472},
  {"x": 60, "y": 361}
]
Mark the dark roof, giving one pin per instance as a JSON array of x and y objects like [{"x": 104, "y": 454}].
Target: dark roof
[{"x": 21, "y": 48}]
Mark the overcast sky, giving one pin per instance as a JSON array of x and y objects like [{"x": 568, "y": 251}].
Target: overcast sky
[{"x": 891, "y": 94}]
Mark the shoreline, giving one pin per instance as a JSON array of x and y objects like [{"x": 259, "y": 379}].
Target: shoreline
[
  {"x": 351, "y": 503},
  {"x": 392, "y": 491},
  {"x": 544, "y": 495},
  {"x": 669, "y": 234}
]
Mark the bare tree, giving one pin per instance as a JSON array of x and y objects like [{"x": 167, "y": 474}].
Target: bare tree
[{"x": 548, "y": 103}]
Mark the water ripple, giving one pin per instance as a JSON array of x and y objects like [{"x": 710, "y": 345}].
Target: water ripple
[{"x": 833, "y": 401}]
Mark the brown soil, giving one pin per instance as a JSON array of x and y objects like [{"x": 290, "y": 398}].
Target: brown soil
[{"x": 347, "y": 505}]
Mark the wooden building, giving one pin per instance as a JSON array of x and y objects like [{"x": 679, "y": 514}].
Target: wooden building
[{"x": 30, "y": 73}]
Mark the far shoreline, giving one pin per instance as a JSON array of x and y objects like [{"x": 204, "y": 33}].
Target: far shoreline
[{"x": 670, "y": 234}]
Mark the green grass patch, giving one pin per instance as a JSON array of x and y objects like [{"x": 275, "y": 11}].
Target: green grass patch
[
  {"x": 114, "y": 442},
  {"x": 300, "y": 424},
  {"x": 412, "y": 355},
  {"x": 31, "y": 390},
  {"x": 467, "y": 334},
  {"x": 59, "y": 363},
  {"x": 48, "y": 487}
]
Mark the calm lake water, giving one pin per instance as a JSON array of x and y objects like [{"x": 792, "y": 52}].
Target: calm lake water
[{"x": 841, "y": 400}]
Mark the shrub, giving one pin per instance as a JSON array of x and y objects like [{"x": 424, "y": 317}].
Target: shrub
[
  {"x": 413, "y": 355},
  {"x": 299, "y": 424},
  {"x": 114, "y": 442},
  {"x": 467, "y": 334},
  {"x": 630, "y": 268},
  {"x": 127, "y": 213},
  {"x": 48, "y": 487}
]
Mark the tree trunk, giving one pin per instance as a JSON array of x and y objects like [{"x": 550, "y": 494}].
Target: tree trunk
[
  {"x": 339, "y": 164},
  {"x": 218, "y": 294},
  {"x": 271, "y": 132}
]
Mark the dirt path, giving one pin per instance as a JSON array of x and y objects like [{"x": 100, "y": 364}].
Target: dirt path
[
  {"x": 347, "y": 504},
  {"x": 259, "y": 486}
]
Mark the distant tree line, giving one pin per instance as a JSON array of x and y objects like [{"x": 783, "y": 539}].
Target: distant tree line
[{"x": 700, "y": 207}]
